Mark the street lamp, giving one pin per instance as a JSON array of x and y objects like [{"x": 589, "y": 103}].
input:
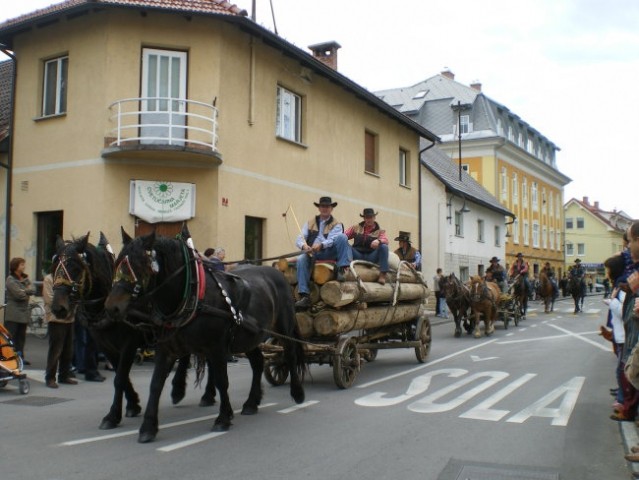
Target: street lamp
[{"x": 460, "y": 108}]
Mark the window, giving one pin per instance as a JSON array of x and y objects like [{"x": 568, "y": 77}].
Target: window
[
  {"x": 569, "y": 223},
  {"x": 530, "y": 145},
  {"x": 288, "y": 122},
  {"x": 581, "y": 249},
  {"x": 516, "y": 232},
  {"x": 535, "y": 235},
  {"x": 253, "y": 237},
  {"x": 497, "y": 236},
  {"x": 544, "y": 237},
  {"x": 515, "y": 189},
  {"x": 459, "y": 224},
  {"x": 551, "y": 239},
  {"x": 370, "y": 152},
  {"x": 464, "y": 124},
  {"x": 480, "y": 231},
  {"x": 551, "y": 205},
  {"x": 526, "y": 233},
  {"x": 524, "y": 192},
  {"x": 534, "y": 197},
  {"x": 404, "y": 168},
  {"x": 580, "y": 222},
  {"x": 420, "y": 94},
  {"x": 49, "y": 227},
  {"x": 570, "y": 250},
  {"x": 504, "y": 183},
  {"x": 500, "y": 128},
  {"x": 54, "y": 92}
]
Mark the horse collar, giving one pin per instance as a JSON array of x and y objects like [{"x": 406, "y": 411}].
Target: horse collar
[{"x": 237, "y": 314}]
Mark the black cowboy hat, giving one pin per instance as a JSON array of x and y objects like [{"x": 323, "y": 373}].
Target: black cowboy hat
[
  {"x": 577, "y": 260},
  {"x": 368, "y": 212},
  {"x": 403, "y": 236},
  {"x": 326, "y": 201},
  {"x": 520, "y": 254},
  {"x": 494, "y": 259}
]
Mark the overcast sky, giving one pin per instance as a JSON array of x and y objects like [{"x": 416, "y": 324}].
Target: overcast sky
[{"x": 569, "y": 68}]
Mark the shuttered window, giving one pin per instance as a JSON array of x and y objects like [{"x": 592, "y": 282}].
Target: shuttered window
[{"x": 370, "y": 152}]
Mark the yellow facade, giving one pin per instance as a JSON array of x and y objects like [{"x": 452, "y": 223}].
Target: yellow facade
[{"x": 60, "y": 165}]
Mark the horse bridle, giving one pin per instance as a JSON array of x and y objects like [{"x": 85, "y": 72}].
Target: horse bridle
[{"x": 62, "y": 278}]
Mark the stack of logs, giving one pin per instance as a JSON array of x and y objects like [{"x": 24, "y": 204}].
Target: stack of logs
[{"x": 359, "y": 302}]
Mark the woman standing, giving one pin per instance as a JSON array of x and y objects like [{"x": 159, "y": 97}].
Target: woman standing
[{"x": 17, "y": 311}]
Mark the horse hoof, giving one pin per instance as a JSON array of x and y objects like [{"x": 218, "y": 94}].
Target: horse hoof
[
  {"x": 457, "y": 332},
  {"x": 221, "y": 427},
  {"x": 477, "y": 335},
  {"x": 133, "y": 412},
  {"x": 298, "y": 394},
  {"x": 146, "y": 437},
  {"x": 249, "y": 410},
  {"x": 176, "y": 397},
  {"x": 207, "y": 402},
  {"x": 108, "y": 424}
]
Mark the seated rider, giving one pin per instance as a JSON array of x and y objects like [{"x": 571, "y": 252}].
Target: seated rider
[
  {"x": 579, "y": 273},
  {"x": 321, "y": 238},
  {"x": 371, "y": 242},
  {"x": 407, "y": 252},
  {"x": 520, "y": 267},
  {"x": 497, "y": 274},
  {"x": 550, "y": 273}
]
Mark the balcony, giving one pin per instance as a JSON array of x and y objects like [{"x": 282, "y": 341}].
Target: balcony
[{"x": 163, "y": 128}]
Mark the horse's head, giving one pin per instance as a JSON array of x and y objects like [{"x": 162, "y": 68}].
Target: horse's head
[
  {"x": 71, "y": 275},
  {"x": 135, "y": 269},
  {"x": 476, "y": 288}
]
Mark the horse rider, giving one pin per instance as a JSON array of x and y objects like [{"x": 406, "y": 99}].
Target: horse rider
[
  {"x": 370, "y": 242},
  {"x": 407, "y": 252},
  {"x": 579, "y": 272},
  {"x": 321, "y": 238},
  {"x": 520, "y": 267},
  {"x": 498, "y": 274},
  {"x": 550, "y": 273}
]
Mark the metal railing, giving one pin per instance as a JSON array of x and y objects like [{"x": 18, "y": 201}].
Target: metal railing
[{"x": 163, "y": 121}]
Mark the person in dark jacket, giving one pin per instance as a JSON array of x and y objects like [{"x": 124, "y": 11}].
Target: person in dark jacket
[{"x": 18, "y": 290}]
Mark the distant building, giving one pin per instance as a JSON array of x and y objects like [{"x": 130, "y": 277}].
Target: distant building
[{"x": 506, "y": 155}]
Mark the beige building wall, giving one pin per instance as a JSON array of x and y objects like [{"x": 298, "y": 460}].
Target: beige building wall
[{"x": 59, "y": 163}]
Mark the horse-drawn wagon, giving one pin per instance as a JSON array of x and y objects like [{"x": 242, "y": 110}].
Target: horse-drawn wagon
[
  {"x": 351, "y": 320},
  {"x": 509, "y": 309}
]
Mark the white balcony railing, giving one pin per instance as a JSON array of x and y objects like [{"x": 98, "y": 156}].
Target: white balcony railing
[{"x": 163, "y": 121}]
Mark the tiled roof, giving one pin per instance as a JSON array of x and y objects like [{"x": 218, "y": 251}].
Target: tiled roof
[
  {"x": 196, "y": 6},
  {"x": 616, "y": 220},
  {"x": 6, "y": 77},
  {"x": 441, "y": 165}
]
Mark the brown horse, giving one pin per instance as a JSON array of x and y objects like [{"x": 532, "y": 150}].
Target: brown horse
[
  {"x": 520, "y": 292},
  {"x": 458, "y": 301},
  {"x": 546, "y": 292},
  {"x": 484, "y": 300}
]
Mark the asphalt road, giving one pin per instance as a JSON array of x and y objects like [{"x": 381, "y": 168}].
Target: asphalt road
[{"x": 530, "y": 402}]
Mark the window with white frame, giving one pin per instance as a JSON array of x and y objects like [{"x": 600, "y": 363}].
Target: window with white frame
[
  {"x": 570, "y": 249},
  {"x": 534, "y": 198},
  {"x": 551, "y": 239},
  {"x": 504, "y": 183},
  {"x": 464, "y": 124},
  {"x": 511, "y": 133},
  {"x": 530, "y": 146},
  {"x": 551, "y": 205},
  {"x": 558, "y": 245},
  {"x": 497, "y": 236},
  {"x": 535, "y": 234},
  {"x": 580, "y": 222},
  {"x": 581, "y": 249},
  {"x": 524, "y": 192},
  {"x": 544, "y": 237},
  {"x": 515, "y": 189},
  {"x": 55, "y": 83},
  {"x": 569, "y": 223},
  {"x": 520, "y": 140},
  {"x": 288, "y": 122},
  {"x": 500, "y": 128},
  {"x": 526, "y": 233},
  {"x": 404, "y": 168},
  {"x": 544, "y": 204},
  {"x": 516, "y": 232},
  {"x": 459, "y": 224},
  {"x": 480, "y": 231}
]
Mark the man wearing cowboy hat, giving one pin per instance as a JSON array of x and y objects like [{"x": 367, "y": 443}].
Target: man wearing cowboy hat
[
  {"x": 406, "y": 252},
  {"x": 497, "y": 273},
  {"x": 579, "y": 272},
  {"x": 321, "y": 238},
  {"x": 550, "y": 273},
  {"x": 371, "y": 242},
  {"x": 521, "y": 267}
]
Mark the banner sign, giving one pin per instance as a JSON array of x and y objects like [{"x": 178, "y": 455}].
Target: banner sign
[{"x": 157, "y": 201}]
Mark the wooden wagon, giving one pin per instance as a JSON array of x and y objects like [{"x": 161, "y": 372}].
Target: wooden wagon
[
  {"x": 353, "y": 319},
  {"x": 509, "y": 309}
]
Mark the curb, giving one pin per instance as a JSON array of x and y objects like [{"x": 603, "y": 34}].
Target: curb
[{"x": 630, "y": 438}]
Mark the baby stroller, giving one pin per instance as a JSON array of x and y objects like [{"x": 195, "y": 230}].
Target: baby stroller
[{"x": 11, "y": 363}]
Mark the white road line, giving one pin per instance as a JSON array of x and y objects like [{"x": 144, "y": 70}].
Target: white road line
[
  {"x": 580, "y": 337},
  {"x": 295, "y": 408},
  {"x": 552, "y": 337},
  {"x": 426, "y": 365},
  {"x": 110, "y": 436},
  {"x": 191, "y": 441}
]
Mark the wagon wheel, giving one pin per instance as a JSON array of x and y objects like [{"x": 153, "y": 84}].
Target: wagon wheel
[
  {"x": 275, "y": 370},
  {"x": 345, "y": 362},
  {"x": 24, "y": 386},
  {"x": 516, "y": 312},
  {"x": 424, "y": 335}
]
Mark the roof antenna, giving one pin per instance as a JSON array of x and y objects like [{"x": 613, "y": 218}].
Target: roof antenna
[{"x": 273, "y": 15}]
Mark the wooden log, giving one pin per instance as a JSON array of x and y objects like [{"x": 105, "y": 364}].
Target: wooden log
[
  {"x": 333, "y": 322},
  {"x": 323, "y": 272},
  {"x": 338, "y": 294},
  {"x": 304, "y": 324}
]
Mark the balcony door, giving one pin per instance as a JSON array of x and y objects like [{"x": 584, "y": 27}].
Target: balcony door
[{"x": 163, "y": 91}]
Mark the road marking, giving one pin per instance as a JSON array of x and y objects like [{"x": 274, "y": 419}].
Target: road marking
[
  {"x": 483, "y": 411},
  {"x": 475, "y": 358},
  {"x": 192, "y": 441},
  {"x": 426, "y": 365},
  {"x": 580, "y": 337},
  {"x": 295, "y": 408},
  {"x": 179, "y": 423}
]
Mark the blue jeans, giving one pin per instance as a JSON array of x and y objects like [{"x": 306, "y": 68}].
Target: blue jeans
[
  {"x": 340, "y": 252},
  {"x": 378, "y": 256}
]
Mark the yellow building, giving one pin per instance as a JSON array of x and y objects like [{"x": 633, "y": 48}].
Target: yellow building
[
  {"x": 593, "y": 234},
  {"x": 502, "y": 152},
  {"x": 143, "y": 115}
]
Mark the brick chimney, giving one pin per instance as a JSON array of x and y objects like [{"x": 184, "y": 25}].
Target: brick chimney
[
  {"x": 448, "y": 74},
  {"x": 326, "y": 53},
  {"x": 597, "y": 205},
  {"x": 476, "y": 85},
  {"x": 585, "y": 200}
]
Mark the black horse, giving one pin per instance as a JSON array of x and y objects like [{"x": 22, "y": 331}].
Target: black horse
[
  {"x": 520, "y": 291},
  {"x": 458, "y": 300},
  {"x": 82, "y": 281},
  {"x": 577, "y": 289},
  {"x": 156, "y": 284}
]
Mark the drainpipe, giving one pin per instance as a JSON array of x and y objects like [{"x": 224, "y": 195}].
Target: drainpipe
[
  {"x": 419, "y": 194},
  {"x": 9, "y": 165}
]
